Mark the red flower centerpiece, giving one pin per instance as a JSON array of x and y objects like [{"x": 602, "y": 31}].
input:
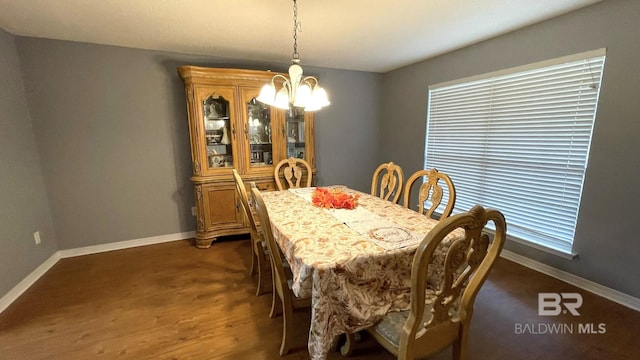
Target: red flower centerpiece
[{"x": 333, "y": 199}]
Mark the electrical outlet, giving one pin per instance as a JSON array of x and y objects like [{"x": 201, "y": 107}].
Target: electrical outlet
[
  {"x": 194, "y": 212},
  {"x": 36, "y": 237}
]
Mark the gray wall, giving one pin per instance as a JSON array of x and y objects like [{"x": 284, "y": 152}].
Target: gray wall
[
  {"x": 24, "y": 207},
  {"x": 347, "y": 131},
  {"x": 114, "y": 142},
  {"x": 606, "y": 235}
]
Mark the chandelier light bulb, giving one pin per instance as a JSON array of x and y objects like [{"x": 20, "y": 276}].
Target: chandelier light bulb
[
  {"x": 267, "y": 94},
  {"x": 282, "y": 99},
  {"x": 303, "y": 95}
]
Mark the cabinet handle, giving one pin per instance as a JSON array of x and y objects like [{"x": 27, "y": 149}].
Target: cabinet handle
[
  {"x": 246, "y": 131},
  {"x": 233, "y": 130},
  {"x": 284, "y": 132}
]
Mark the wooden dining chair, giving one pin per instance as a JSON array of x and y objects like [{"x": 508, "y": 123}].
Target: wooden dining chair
[
  {"x": 259, "y": 258},
  {"x": 445, "y": 279},
  {"x": 294, "y": 171},
  {"x": 387, "y": 182},
  {"x": 267, "y": 260},
  {"x": 432, "y": 192},
  {"x": 282, "y": 278}
]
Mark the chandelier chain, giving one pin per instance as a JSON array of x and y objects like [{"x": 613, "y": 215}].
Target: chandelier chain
[{"x": 296, "y": 27}]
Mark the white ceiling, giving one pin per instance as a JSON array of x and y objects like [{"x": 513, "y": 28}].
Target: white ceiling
[{"x": 367, "y": 35}]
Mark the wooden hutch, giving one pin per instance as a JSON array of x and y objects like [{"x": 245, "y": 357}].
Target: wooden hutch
[{"x": 230, "y": 129}]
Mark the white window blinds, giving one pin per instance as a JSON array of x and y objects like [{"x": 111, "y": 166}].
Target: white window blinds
[{"x": 518, "y": 141}]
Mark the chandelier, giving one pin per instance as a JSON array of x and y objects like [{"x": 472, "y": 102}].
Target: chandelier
[{"x": 296, "y": 91}]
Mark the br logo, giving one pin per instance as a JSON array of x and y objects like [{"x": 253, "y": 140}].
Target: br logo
[{"x": 553, "y": 304}]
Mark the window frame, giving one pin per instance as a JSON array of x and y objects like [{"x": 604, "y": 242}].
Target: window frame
[{"x": 558, "y": 247}]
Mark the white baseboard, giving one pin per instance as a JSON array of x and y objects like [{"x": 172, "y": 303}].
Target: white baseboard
[
  {"x": 94, "y": 249},
  {"x": 588, "y": 285},
  {"x": 28, "y": 281}
]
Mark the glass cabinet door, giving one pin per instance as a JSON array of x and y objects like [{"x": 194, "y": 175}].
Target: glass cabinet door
[
  {"x": 258, "y": 129},
  {"x": 217, "y": 131},
  {"x": 296, "y": 134}
]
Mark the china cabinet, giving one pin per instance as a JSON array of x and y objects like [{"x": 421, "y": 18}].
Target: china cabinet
[{"x": 228, "y": 129}]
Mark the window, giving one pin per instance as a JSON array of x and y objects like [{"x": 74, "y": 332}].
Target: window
[{"x": 518, "y": 141}]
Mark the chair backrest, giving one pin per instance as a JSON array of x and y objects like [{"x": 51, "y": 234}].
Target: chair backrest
[
  {"x": 457, "y": 268},
  {"x": 432, "y": 191},
  {"x": 244, "y": 201},
  {"x": 387, "y": 182},
  {"x": 293, "y": 171},
  {"x": 277, "y": 265}
]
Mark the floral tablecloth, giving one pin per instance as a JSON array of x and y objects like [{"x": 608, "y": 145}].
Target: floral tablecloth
[{"x": 352, "y": 280}]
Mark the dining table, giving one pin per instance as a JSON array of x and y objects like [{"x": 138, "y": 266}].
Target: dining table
[{"x": 354, "y": 264}]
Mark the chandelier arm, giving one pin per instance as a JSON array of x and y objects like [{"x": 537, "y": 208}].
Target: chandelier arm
[
  {"x": 284, "y": 79},
  {"x": 306, "y": 80},
  {"x": 287, "y": 84}
]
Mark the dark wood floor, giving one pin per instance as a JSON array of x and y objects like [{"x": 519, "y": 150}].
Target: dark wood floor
[{"x": 173, "y": 301}]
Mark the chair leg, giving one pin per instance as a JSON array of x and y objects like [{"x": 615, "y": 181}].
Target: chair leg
[
  {"x": 347, "y": 348},
  {"x": 254, "y": 257},
  {"x": 263, "y": 272},
  {"x": 275, "y": 301},
  {"x": 287, "y": 328},
  {"x": 459, "y": 348}
]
